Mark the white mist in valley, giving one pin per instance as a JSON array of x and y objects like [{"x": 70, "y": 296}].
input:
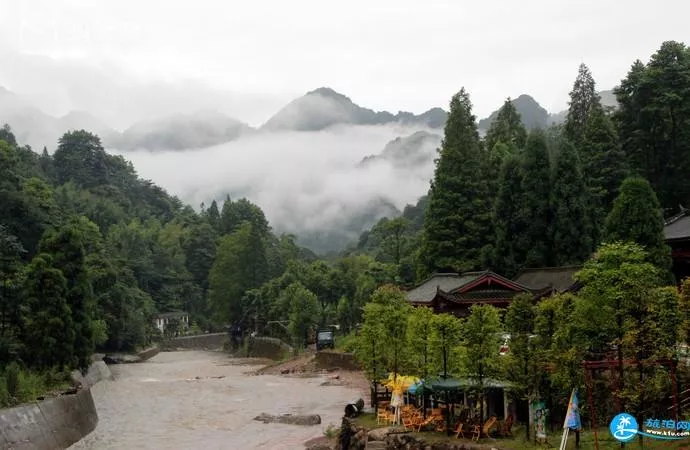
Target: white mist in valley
[{"x": 306, "y": 182}]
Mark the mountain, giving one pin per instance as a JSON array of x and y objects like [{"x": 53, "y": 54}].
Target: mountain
[
  {"x": 353, "y": 223},
  {"x": 203, "y": 128},
  {"x": 607, "y": 98},
  {"x": 533, "y": 114},
  {"x": 409, "y": 152},
  {"x": 33, "y": 127},
  {"x": 324, "y": 107}
]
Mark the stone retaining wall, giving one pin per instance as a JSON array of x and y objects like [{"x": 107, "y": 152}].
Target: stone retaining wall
[
  {"x": 54, "y": 423},
  {"x": 330, "y": 359},
  {"x": 211, "y": 341},
  {"x": 148, "y": 353},
  {"x": 267, "y": 347}
]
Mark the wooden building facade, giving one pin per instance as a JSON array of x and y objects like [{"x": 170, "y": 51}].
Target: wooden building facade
[{"x": 455, "y": 293}]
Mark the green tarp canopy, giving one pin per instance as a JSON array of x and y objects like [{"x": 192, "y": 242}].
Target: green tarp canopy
[{"x": 459, "y": 384}]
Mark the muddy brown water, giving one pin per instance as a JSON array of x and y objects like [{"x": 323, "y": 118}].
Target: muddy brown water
[{"x": 159, "y": 404}]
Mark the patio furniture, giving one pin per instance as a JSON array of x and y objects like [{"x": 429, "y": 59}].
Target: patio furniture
[{"x": 478, "y": 431}]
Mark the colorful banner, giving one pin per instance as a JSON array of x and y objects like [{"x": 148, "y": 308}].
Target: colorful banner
[
  {"x": 572, "y": 416},
  {"x": 540, "y": 413}
]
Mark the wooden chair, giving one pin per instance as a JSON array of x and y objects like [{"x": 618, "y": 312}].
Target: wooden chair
[
  {"x": 459, "y": 431},
  {"x": 478, "y": 431},
  {"x": 381, "y": 416}
]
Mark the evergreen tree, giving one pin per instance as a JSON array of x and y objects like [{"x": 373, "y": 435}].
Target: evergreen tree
[
  {"x": 506, "y": 128},
  {"x": 571, "y": 227},
  {"x": 66, "y": 247},
  {"x": 583, "y": 99},
  {"x": 532, "y": 246},
  {"x": 213, "y": 215},
  {"x": 507, "y": 212},
  {"x": 49, "y": 332},
  {"x": 7, "y": 135},
  {"x": 80, "y": 158},
  {"x": 636, "y": 217},
  {"x": 652, "y": 120},
  {"x": 240, "y": 265},
  {"x": 458, "y": 214},
  {"x": 604, "y": 166}
]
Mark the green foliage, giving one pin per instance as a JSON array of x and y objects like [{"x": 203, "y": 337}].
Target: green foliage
[
  {"x": 571, "y": 226},
  {"x": 303, "y": 310},
  {"x": 583, "y": 100},
  {"x": 420, "y": 338},
  {"x": 481, "y": 341},
  {"x": 532, "y": 245},
  {"x": 507, "y": 128},
  {"x": 636, "y": 217},
  {"x": 382, "y": 344},
  {"x": 654, "y": 110},
  {"x": 443, "y": 341},
  {"x": 506, "y": 259},
  {"x": 458, "y": 214},
  {"x": 240, "y": 265}
]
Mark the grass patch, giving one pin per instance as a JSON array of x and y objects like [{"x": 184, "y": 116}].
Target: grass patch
[{"x": 19, "y": 386}]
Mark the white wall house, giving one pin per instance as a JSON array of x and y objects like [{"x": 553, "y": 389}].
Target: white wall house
[{"x": 162, "y": 320}]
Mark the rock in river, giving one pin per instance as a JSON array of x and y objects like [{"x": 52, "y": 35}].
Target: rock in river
[{"x": 311, "y": 419}]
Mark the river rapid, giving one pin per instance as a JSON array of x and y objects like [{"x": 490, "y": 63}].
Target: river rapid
[{"x": 161, "y": 404}]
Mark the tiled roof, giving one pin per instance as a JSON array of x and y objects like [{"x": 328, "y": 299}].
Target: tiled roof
[
  {"x": 677, "y": 227},
  {"x": 426, "y": 291},
  {"x": 559, "y": 278}
]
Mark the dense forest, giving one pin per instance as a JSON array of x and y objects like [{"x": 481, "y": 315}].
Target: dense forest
[
  {"x": 90, "y": 252},
  {"x": 593, "y": 193},
  {"x": 517, "y": 199}
]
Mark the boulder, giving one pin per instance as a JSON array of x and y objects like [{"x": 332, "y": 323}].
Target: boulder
[
  {"x": 379, "y": 434},
  {"x": 312, "y": 419}
]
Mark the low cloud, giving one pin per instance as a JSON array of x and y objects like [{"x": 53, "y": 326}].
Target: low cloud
[{"x": 306, "y": 182}]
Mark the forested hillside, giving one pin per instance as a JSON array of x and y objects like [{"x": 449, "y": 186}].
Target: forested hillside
[
  {"x": 90, "y": 252},
  {"x": 548, "y": 197}
]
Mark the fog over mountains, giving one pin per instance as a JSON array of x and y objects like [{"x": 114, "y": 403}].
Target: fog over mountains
[{"x": 322, "y": 167}]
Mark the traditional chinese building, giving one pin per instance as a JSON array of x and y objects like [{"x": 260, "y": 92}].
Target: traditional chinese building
[
  {"x": 677, "y": 235},
  {"x": 455, "y": 293}
]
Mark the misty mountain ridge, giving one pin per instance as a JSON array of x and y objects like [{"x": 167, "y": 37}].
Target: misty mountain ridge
[
  {"x": 409, "y": 152},
  {"x": 323, "y": 107},
  {"x": 199, "y": 129}
]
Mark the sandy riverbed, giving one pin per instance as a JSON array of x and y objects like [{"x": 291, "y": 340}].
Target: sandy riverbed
[{"x": 160, "y": 404}]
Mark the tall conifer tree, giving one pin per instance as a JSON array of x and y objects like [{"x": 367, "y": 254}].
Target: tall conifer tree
[
  {"x": 636, "y": 217},
  {"x": 571, "y": 226},
  {"x": 505, "y": 259},
  {"x": 532, "y": 245},
  {"x": 583, "y": 99},
  {"x": 458, "y": 214}
]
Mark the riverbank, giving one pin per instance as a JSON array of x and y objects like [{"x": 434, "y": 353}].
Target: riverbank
[
  {"x": 56, "y": 422},
  {"x": 197, "y": 399}
]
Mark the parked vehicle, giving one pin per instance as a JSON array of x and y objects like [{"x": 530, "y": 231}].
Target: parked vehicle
[{"x": 325, "y": 339}]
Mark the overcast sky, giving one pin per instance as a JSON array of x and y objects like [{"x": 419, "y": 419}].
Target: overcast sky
[{"x": 384, "y": 54}]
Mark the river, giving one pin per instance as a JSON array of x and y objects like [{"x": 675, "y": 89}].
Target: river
[{"x": 160, "y": 404}]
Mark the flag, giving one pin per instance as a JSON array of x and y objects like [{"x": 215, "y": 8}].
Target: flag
[{"x": 572, "y": 417}]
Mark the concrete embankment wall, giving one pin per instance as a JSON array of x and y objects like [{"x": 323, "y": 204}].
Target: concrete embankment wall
[
  {"x": 330, "y": 359},
  {"x": 211, "y": 341},
  {"x": 266, "y": 347},
  {"x": 54, "y": 423}
]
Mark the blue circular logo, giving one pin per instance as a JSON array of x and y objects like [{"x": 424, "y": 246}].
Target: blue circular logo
[{"x": 623, "y": 427}]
